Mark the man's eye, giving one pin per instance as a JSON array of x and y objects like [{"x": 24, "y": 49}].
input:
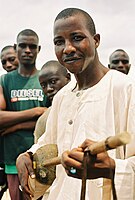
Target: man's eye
[
  {"x": 3, "y": 62},
  {"x": 78, "y": 38},
  {"x": 11, "y": 59},
  {"x": 31, "y": 46},
  {"x": 22, "y": 45},
  {"x": 53, "y": 81},
  {"x": 43, "y": 86},
  {"x": 58, "y": 42}
]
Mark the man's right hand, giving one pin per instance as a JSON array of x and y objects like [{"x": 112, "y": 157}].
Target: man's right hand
[
  {"x": 24, "y": 167},
  {"x": 39, "y": 110}
]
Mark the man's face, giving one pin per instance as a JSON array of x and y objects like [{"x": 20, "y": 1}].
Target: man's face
[
  {"x": 27, "y": 49},
  {"x": 52, "y": 80},
  {"x": 74, "y": 45},
  {"x": 9, "y": 59},
  {"x": 120, "y": 62}
]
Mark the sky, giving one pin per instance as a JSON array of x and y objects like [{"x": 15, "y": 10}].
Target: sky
[{"x": 114, "y": 21}]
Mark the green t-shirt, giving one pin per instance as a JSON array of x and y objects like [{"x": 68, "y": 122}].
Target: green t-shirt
[
  {"x": 11, "y": 169},
  {"x": 21, "y": 93}
]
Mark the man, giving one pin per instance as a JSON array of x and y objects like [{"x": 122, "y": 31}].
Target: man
[
  {"x": 9, "y": 58},
  {"x": 99, "y": 104},
  {"x": 9, "y": 62},
  {"x": 119, "y": 60},
  {"x": 52, "y": 77},
  {"x": 21, "y": 103}
]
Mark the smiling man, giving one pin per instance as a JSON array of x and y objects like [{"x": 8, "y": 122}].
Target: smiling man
[{"x": 99, "y": 104}]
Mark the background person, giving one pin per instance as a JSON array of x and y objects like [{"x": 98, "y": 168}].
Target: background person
[
  {"x": 119, "y": 60},
  {"x": 52, "y": 77},
  {"x": 9, "y": 62},
  {"x": 21, "y": 103},
  {"x": 9, "y": 58}
]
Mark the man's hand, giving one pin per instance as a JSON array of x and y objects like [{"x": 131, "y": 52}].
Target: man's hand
[
  {"x": 99, "y": 165},
  {"x": 24, "y": 167},
  {"x": 38, "y": 111}
]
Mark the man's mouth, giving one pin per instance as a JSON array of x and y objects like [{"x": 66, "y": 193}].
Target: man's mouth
[
  {"x": 71, "y": 59},
  {"x": 27, "y": 57},
  {"x": 51, "y": 96}
]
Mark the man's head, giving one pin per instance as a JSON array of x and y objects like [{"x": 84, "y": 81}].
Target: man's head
[
  {"x": 75, "y": 39},
  {"x": 119, "y": 60},
  {"x": 9, "y": 58},
  {"x": 52, "y": 77},
  {"x": 27, "y": 47}
]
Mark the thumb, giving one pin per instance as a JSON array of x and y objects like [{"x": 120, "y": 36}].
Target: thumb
[{"x": 32, "y": 175}]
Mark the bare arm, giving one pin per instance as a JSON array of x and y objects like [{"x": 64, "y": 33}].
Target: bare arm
[
  {"x": 9, "y": 118},
  {"x": 30, "y": 125},
  {"x": 24, "y": 167}
]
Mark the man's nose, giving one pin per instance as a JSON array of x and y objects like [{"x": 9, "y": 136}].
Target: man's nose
[
  {"x": 69, "y": 48},
  {"x": 120, "y": 64},
  {"x": 27, "y": 49},
  {"x": 49, "y": 88},
  {"x": 8, "y": 64}
]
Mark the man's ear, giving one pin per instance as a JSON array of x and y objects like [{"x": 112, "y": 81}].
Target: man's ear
[
  {"x": 97, "y": 40},
  {"x": 39, "y": 48},
  {"x": 15, "y": 46}
]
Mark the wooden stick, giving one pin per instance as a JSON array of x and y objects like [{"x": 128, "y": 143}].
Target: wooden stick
[
  {"x": 52, "y": 161},
  {"x": 110, "y": 143}
]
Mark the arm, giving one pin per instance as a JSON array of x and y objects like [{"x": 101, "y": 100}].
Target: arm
[
  {"x": 24, "y": 167},
  {"x": 30, "y": 125},
  {"x": 9, "y": 118}
]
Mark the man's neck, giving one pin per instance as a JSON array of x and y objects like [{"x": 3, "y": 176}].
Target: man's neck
[
  {"x": 27, "y": 70},
  {"x": 88, "y": 78}
]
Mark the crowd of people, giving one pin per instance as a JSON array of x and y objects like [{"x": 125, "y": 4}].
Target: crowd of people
[{"x": 46, "y": 106}]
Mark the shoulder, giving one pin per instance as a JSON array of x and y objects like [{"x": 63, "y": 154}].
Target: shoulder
[
  {"x": 123, "y": 86},
  {"x": 9, "y": 75},
  {"x": 121, "y": 80},
  {"x": 2, "y": 77}
]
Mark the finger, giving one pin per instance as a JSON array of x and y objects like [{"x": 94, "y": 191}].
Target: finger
[
  {"x": 86, "y": 143},
  {"x": 26, "y": 196},
  {"x": 4, "y": 133},
  {"x": 76, "y": 155},
  {"x": 29, "y": 165},
  {"x": 72, "y": 162},
  {"x": 32, "y": 175},
  {"x": 25, "y": 188}
]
